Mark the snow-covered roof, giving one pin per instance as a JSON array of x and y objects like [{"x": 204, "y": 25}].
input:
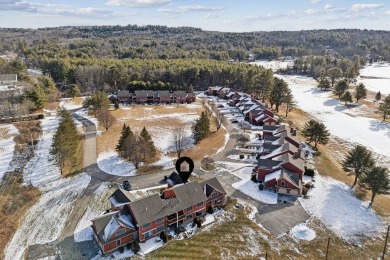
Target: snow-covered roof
[
  {"x": 271, "y": 176},
  {"x": 125, "y": 219},
  {"x": 261, "y": 116},
  {"x": 111, "y": 227},
  {"x": 115, "y": 202},
  {"x": 231, "y": 93},
  {"x": 251, "y": 108}
]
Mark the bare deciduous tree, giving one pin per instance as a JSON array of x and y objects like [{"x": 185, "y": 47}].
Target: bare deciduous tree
[
  {"x": 106, "y": 119},
  {"x": 180, "y": 140},
  {"x": 219, "y": 119},
  {"x": 134, "y": 149},
  {"x": 245, "y": 125}
]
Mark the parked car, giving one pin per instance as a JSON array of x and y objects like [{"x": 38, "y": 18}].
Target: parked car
[{"x": 126, "y": 185}]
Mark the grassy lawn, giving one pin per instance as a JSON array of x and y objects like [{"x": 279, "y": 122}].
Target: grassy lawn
[
  {"x": 238, "y": 237},
  {"x": 160, "y": 121}
]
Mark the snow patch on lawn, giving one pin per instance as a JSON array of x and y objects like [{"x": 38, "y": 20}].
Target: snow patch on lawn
[
  {"x": 41, "y": 170},
  {"x": 127, "y": 254},
  {"x": 162, "y": 138},
  {"x": 335, "y": 204},
  {"x": 45, "y": 220},
  {"x": 98, "y": 204},
  {"x": 371, "y": 133},
  {"x": 7, "y": 147},
  {"x": 303, "y": 232},
  {"x": 68, "y": 104},
  {"x": 150, "y": 246},
  {"x": 251, "y": 189},
  {"x": 111, "y": 163}
]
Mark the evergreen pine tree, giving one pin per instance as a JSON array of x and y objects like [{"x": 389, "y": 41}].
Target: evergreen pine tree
[
  {"x": 65, "y": 142},
  {"x": 384, "y": 108},
  {"x": 378, "y": 96},
  {"x": 347, "y": 97},
  {"x": 377, "y": 180},
  {"x": 360, "y": 92},
  {"x": 126, "y": 132},
  {"x": 316, "y": 132},
  {"x": 201, "y": 128},
  {"x": 340, "y": 88},
  {"x": 358, "y": 161},
  {"x": 150, "y": 149}
]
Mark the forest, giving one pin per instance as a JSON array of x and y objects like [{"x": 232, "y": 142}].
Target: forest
[{"x": 161, "y": 42}]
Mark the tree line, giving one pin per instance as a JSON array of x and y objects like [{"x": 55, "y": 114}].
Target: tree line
[{"x": 162, "y": 42}]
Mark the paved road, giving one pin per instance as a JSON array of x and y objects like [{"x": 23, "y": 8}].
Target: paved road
[{"x": 90, "y": 152}]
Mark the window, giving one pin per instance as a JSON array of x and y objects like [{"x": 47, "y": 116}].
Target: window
[
  {"x": 215, "y": 194},
  {"x": 148, "y": 234},
  {"x": 189, "y": 208},
  {"x": 188, "y": 216},
  {"x": 120, "y": 231},
  {"x": 146, "y": 226},
  {"x": 282, "y": 183},
  {"x": 160, "y": 220},
  {"x": 200, "y": 204},
  {"x": 118, "y": 242},
  {"x": 160, "y": 228}
]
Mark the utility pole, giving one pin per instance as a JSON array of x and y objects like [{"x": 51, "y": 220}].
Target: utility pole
[
  {"x": 327, "y": 249},
  {"x": 384, "y": 249}
]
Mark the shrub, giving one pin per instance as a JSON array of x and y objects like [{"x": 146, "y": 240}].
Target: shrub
[
  {"x": 304, "y": 190},
  {"x": 136, "y": 247},
  {"x": 309, "y": 172},
  {"x": 121, "y": 249},
  {"x": 128, "y": 246},
  {"x": 199, "y": 224},
  {"x": 196, "y": 220},
  {"x": 208, "y": 163},
  {"x": 242, "y": 156},
  {"x": 210, "y": 210},
  {"x": 164, "y": 237}
]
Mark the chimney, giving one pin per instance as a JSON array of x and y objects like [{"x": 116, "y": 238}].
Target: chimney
[
  {"x": 298, "y": 153},
  {"x": 291, "y": 130},
  {"x": 295, "y": 132}
]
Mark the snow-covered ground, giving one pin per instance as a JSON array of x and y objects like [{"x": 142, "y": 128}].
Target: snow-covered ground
[
  {"x": 111, "y": 163},
  {"x": 303, "y": 232},
  {"x": 69, "y": 103},
  {"x": 246, "y": 186},
  {"x": 45, "y": 220},
  {"x": 99, "y": 203},
  {"x": 335, "y": 204},
  {"x": 274, "y": 65},
  {"x": 251, "y": 189},
  {"x": 41, "y": 169},
  {"x": 7, "y": 146},
  {"x": 150, "y": 246},
  {"x": 371, "y": 133},
  {"x": 376, "y": 77}
]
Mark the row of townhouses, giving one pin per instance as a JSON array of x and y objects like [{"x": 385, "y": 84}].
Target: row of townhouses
[
  {"x": 254, "y": 111},
  {"x": 141, "y": 219},
  {"x": 150, "y": 97},
  {"x": 280, "y": 165}
]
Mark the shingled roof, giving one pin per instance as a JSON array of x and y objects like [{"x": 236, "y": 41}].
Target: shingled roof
[
  {"x": 213, "y": 183},
  {"x": 121, "y": 197}
]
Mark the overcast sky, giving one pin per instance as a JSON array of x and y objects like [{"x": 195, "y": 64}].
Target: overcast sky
[{"x": 228, "y": 15}]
